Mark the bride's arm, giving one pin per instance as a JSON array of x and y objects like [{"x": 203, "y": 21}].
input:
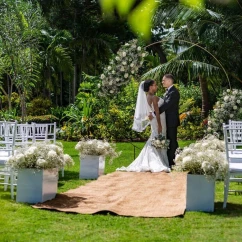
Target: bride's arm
[{"x": 156, "y": 108}]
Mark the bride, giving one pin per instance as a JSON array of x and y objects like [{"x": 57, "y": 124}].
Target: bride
[{"x": 150, "y": 158}]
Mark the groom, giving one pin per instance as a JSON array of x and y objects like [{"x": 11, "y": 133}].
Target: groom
[{"x": 171, "y": 109}]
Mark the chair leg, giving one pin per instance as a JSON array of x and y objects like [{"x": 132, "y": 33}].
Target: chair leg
[
  {"x": 12, "y": 184},
  {"x": 226, "y": 190},
  {"x": 6, "y": 181}
]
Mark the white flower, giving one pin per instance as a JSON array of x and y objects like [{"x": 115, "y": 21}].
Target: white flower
[
  {"x": 109, "y": 68},
  {"x": 124, "y": 63},
  {"x": 97, "y": 147},
  {"x": 139, "y": 48},
  {"x": 98, "y": 85},
  {"x": 186, "y": 159},
  {"x": 102, "y": 76},
  {"x": 231, "y": 115},
  {"x": 238, "y": 101},
  {"x": 42, "y": 155},
  {"x": 117, "y": 58},
  {"x": 126, "y": 75},
  {"x": 124, "y": 53},
  {"x": 234, "y": 107}
]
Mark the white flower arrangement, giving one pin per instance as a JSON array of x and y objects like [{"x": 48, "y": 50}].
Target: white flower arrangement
[
  {"x": 205, "y": 157},
  {"x": 97, "y": 147},
  {"x": 123, "y": 67},
  {"x": 229, "y": 106},
  {"x": 160, "y": 142},
  {"x": 40, "y": 155}
]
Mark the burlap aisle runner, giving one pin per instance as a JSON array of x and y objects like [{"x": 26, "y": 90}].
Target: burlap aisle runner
[{"x": 142, "y": 194}]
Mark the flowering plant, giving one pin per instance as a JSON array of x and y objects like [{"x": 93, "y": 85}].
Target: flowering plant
[
  {"x": 125, "y": 65},
  {"x": 205, "y": 157},
  {"x": 160, "y": 142},
  {"x": 41, "y": 155},
  {"x": 229, "y": 106},
  {"x": 97, "y": 147}
]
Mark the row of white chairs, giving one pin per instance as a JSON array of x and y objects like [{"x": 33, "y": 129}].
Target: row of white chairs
[
  {"x": 233, "y": 147},
  {"x": 14, "y": 135}
]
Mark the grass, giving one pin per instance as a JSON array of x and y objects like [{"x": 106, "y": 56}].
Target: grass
[{"x": 21, "y": 222}]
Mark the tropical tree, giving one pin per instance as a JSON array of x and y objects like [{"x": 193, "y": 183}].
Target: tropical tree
[
  {"x": 20, "y": 24},
  {"x": 210, "y": 45}
]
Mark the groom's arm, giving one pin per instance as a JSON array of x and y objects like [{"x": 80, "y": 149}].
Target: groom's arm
[{"x": 171, "y": 99}]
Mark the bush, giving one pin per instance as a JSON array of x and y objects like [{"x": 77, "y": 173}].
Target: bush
[
  {"x": 39, "y": 106},
  {"x": 42, "y": 119}
]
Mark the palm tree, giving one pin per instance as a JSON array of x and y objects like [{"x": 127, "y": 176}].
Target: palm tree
[{"x": 210, "y": 44}]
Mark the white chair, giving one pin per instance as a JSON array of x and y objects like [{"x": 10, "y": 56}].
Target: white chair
[
  {"x": 233, "y": 148},
  {"x": 7, "y": 143},
  {"x": 24, "y": 135}
]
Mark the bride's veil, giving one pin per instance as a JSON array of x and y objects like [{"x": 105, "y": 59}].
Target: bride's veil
[{"x": 142, "y": 110}]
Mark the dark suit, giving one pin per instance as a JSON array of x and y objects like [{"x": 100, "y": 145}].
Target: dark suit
[{"x": 171, "y": 109}]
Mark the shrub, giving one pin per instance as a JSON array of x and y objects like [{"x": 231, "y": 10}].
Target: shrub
[{"x": 39, "y": 106}]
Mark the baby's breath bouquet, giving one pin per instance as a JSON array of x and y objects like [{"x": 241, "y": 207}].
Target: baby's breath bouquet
[
  {"x": 40, "y": 155},
  {"x": 160, "y": 142},
  {"x": 205, "y": 157},
  {"x": 97, "y": 147}
]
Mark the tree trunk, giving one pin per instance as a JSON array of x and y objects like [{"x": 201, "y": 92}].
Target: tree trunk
[
  {"x": 157, "y": 48},
  {"x": 205, "y": 96},
  {"x": 61, "y": 89},
  {"x": 74, "y": 83}
]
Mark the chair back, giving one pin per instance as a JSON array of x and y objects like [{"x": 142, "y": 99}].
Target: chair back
[
  {"x": 233, "y": 142},
  {"x": 44, "y": 132},
  {"x": 24, "y": 135},
  {"x": 7, "y": 139}
]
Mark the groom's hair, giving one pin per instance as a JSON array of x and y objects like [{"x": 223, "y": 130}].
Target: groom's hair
[
  {"x": 170, "y": 76},
  {"x": 147, "y": 84}
]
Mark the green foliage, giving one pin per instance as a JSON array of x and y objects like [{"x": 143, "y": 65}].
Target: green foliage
[
  {"x": 42, "y": 119},
  {"x": 45, "y": 225},
  {"x": 15, "y": 101},
  {"x": 39, "y": 106}
]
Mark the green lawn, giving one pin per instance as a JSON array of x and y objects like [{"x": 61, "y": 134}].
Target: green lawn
[{"x": 20, "y": 222}]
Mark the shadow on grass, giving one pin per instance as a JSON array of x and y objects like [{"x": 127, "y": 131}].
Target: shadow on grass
[
  {"x": 231, "y": 210},
  {"x": 69, "y": 175}
]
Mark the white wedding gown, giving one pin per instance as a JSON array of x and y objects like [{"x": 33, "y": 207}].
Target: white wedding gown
[{"x": 150, "y": 158}]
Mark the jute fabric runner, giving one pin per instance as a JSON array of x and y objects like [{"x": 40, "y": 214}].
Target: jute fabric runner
[{"x": 136, "y": 194}]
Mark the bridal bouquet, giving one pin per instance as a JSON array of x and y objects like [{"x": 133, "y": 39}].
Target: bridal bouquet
[
  {"x": 160, "y": 142},
  {"x": 41, "y": 155},
  {"x": 97, "y": 147}
]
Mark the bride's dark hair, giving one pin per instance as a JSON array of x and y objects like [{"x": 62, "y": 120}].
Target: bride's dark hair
[{"x": 147, "y": 84}]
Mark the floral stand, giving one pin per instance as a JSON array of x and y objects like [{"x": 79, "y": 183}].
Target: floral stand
[
  {"x": 35, "y": 186},
  {"x": 200, "y": 193},
  {"x": 91, "y": 166}
]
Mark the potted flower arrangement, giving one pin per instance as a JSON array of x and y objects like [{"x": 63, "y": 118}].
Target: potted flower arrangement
[
  {"x": 205, "y": 161},
  {"x": 92, "y": 157},
  {"x": 37, "y": 169}
]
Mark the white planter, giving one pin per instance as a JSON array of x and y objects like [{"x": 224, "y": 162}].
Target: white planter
[
  {"x": 34, "y": 186},
  {"x": 200, "y": 193},
  {"x": 91, "y": 166}
]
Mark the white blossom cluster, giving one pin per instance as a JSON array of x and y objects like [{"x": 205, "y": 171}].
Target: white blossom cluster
[
  {"x": 206, "y": 157},
  {"x": 97, "y": 147},
  {"x": 129, "y": 59},
  {"x": 42, "y": 155},
  {"x": 229, "y": 106}
]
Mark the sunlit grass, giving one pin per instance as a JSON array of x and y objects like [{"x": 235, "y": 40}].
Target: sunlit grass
[{"x": 21, "y": 222}]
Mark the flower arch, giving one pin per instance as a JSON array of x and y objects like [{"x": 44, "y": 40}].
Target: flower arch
[
  {"x": 122, "y": 67},
  {"x": 229, "y": 106}
]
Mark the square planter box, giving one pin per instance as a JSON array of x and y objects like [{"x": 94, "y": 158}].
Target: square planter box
[
  {"x": 36, "y": 186},
  {"x": 91, "y": 166},
  {"x": 200, "y": 193}
]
